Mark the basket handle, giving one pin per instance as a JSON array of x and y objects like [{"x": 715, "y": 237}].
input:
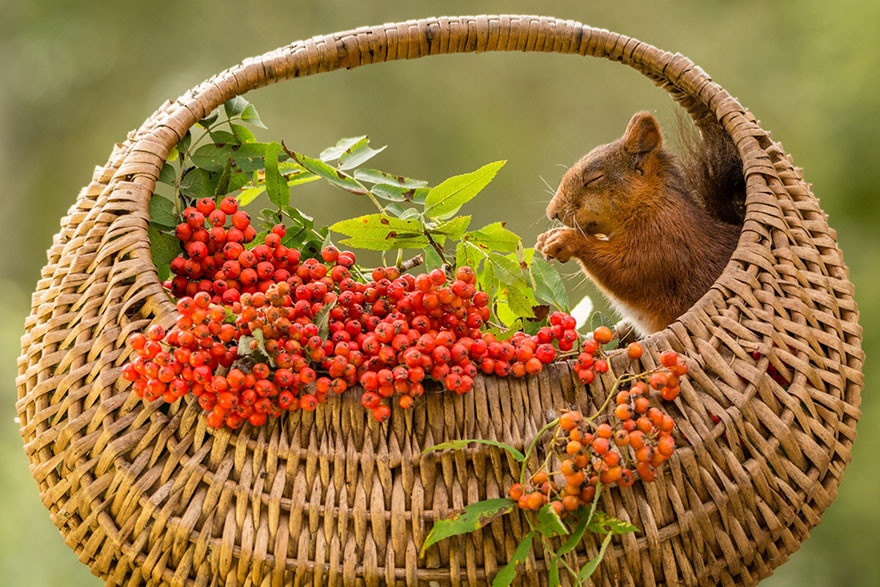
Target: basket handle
[{"x": 704, "y": 100}]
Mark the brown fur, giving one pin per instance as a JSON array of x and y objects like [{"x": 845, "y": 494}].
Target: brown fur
[{"x": 657, "y": 250}]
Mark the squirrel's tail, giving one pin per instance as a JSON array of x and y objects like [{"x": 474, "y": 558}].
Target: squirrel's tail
[{"x": 713, "y": 166}]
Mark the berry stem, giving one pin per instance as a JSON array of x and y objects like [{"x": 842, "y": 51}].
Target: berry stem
[{"x": 532, "y": 445}]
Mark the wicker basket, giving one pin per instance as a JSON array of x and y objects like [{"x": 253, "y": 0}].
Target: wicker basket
[{"x": 149, "y": 496}]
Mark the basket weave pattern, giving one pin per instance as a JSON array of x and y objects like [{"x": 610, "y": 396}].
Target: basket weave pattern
[{"x": 151, "y": 496}]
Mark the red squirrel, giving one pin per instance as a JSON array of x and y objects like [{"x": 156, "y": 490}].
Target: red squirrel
[{"x": 652, "y": 232}]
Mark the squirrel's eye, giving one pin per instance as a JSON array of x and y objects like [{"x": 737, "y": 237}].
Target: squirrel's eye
[{"x": 593, "y": 179}]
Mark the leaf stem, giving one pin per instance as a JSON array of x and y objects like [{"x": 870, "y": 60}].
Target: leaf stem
[
  {"x": 437, "y": 248},
  {"x": 532, "y": 445}
]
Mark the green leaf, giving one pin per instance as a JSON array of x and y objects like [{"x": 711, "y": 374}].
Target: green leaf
[
  {"x": 380, "y": 177},
  {"x": 276, "y": 185},
  {"x": 250, "y": 116},
  {"x": 548, "y": 284},
  {"x": 549, "y": 522},
  {"x": 409, "y": 214},
  {"x": 588, "y": 569},
  {"x": 357, "y": 154},
  {"x": 432, "y": 259},
  {"x": 380, "y": 232},
  {"x": 212, "y": 157},
  {"x": 242, "y": 133},
  {"x": 250, "y": 156},
  {"x": 235, "y": 106},
  {"x": 453, "y": 228},
  {"x": 494, "y": 237},
  {"x": 223, "y": 137},
  {"x": 506, "y": 575},
  {"x": 183, "y": 145},
  {"x": 162, "y": 212},
  {"x": 602, "y": 523},
  {"x": 576, "y": 535},
  {"x": 237, "y": 180},
  {"x": 393, "y": 193},
  {"x": 209, "y": 120},
  {"x": 331, "y": 174},
  {"x": 322, "y": 320},
  {"x": 342, "y": 145},
  {"x": 445, "y": 199},
  {"x": 168, "y": 175},
  {"x": 553, "y": 570},
  {"x": 198, "y": 183},
  {"x": 506, "y": 270},
  {"x": 249, "y": 195},
  {"x": 462, "y": 443},
  {"x": 521, "y": 300},
  {"x": 471, "y": 518},
  {"x": 163, "y": 248},
  {"x": 467, "y": 253}
]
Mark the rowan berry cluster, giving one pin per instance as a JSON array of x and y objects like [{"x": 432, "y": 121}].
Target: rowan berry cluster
[
  {"x": 629, "y": 446},
  {"x": 262, "y": 331}
]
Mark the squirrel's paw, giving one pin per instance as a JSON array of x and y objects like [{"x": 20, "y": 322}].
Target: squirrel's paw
[{"x": 558, "y": 243}]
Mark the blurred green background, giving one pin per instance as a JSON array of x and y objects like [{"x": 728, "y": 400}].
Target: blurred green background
[{"x": 77, "y": 76}]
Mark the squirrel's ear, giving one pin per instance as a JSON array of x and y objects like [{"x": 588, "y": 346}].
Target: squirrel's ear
[{"x": 642, "y": 135}]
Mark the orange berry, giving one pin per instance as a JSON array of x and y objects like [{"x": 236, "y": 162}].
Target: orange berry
[
  {"x": 516, "y": 491},
  {"x": 622, "y": 412},
  {"x": 568, "y": 468},
  {"x": 539, "y": 477},
  {"x": 641, "y": 405},
  {"x": 576, "y": 435},
  {"x": 558, "y": 507},
  {"x": 658, "y": 380},
  {"x": 588, "y": 493},
  {"x": 666, "y": 445},
  {"x": 536, "y": 500},
  {"x": 604, "y": 430},
  {"x": 611, "y": 474},
  {"x": 573, "y": 447},
  {"x": 523, "y": 502},
  {"x": 669, "y": 393},
  {"x": 646, "y": 472},
  {"x": 621, "y": 438},
  {"x": 634, "y": 351},
  {"x": 571, "y": 502},
  {"x": 601, "y": 446},
  {"x": 575, "y": 479},
  {"x": 570, "y": 420},
  {"x": 603, "y": 335},
  {"x": 622, "y": 397},
  {"x": 668, "y": 358}
]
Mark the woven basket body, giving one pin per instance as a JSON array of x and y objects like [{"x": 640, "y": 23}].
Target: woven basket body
[{"x": 148, "y": 496}]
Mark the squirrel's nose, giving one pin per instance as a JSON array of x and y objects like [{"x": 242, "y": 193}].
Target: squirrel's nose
[{"x": 553, "y": 209}]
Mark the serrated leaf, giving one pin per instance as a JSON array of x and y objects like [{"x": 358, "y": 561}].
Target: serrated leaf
[
  {"x": 494, "y": 237},
  {"x": 242, "y": 133},
  {"x": 588, "y": 569},
  {"x": 235, "y": 106},
  {"x": 250, "y": 156},
  {"x": 168, "y": 175},
  {"x": 342, "y": 145},
  {"x": 602, "y": 523},
  {"x": 163, "y": 248},
  {"x": 506, "y": 575},
  {"x": 468, "y": 254},
  {"x": 237, "y": 180},
  {"x": 392, "y": 193},
  {"x": 549, "y": 522},
  {"x": 471, "y": 518},
  {"x": 453, "y": 228},
  {"x": 357, "y": 154},
  {"x": 506, "y": 270},
  {"x": 380, "y": 177},
  {"x": 445, "y": 199},
  {"x": 521, "y": 300},
  {"x": 198, "y": 183},
  {"x": 334, "y": 176},
  {"x": 250, "y": 116},
  {"x": 162, "y": 212},
  {"x": 380, "y": 232},
  {"x": 276, "y": 185},
  {"x": 462, "y": 443},
  {"x": 211, "y": 157},
  {"x": 548, "y": 284}
]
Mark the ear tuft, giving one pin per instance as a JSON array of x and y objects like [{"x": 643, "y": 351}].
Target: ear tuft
[{"x": 642, "y": 134}]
